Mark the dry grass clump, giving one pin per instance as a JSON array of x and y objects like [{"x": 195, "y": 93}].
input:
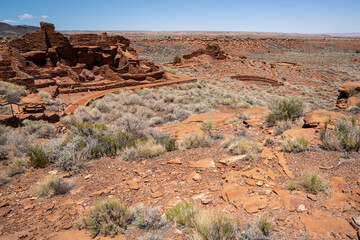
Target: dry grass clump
[
  {"x": 242, "y": 146},
  {"x": 3, "y": 153},
  {"x": 106, "y": 217},
  {"x": 15, "y": 141},
  {"x": 269, "y": 141},
  {"x": 291, "y": 144},
  {"x": 163, "y": 138},
  {"x": 195, "y": 140},
  {"x": 18, "y": 142},
  {"x": 4, "y": 179},
  {"x": 147, "y": 218},
  {"x": 39, "y": 129},
  {"x": 345, "y": 136},
  {"x": 151, "y": 236},
  {"x": 148, "y": 149},
  {"x": 14, "y": 169},
  {"x": 202, "y": 224},
  {"x": 12, "y": 92},
  {"x": 282, "y": 126},
  {"x": 53, "y": 104},
  {"x": 166, "y": 105},
  {"x": 212, "y": 226},
  {"x": 51, "y": 186},
  {"x": 70, "y": 120}
]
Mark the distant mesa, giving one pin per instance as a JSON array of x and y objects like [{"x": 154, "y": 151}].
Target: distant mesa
[
  {"x": 46, "y": 60},
  {"x": 7, "y": 30}
]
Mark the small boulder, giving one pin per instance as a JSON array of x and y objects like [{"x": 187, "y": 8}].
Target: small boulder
[{"x": 86, "y": 75}]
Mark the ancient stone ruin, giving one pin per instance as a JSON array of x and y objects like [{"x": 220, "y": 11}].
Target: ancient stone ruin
[
  {"x": 210, "y": 53},
  {"x": 47, "y": 60}
]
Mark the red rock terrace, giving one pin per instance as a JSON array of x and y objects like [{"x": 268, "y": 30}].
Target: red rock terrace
[
  {"x": 48, "y": 61},
  {"x": 210, "y": 54}
]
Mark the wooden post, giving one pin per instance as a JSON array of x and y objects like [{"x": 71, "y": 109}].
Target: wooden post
[{"x": 12, "y": 111}]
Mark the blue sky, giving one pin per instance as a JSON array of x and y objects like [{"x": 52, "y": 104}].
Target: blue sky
[{"x": 300, "y": 16}]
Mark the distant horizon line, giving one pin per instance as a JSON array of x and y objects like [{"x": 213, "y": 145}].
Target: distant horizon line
[{"x": 232, "y": 31}]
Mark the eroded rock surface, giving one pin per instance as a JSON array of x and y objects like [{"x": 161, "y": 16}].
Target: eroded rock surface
[{"x": 46, "y": 60}]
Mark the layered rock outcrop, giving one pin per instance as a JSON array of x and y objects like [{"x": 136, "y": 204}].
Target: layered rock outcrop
[
  {"x": 47, "y": 60},
  {"x": 210, "y": 53},
  {"x": 348, "y": 95}
]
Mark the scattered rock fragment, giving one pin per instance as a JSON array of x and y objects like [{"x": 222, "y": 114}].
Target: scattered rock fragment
[
  {"x": 4, "y": 211},
  {"x": 88, "y": 176},
  {"x": 197, "y": 177},
  {"x": 230, "y": 160},
  {"x": 312, "y": 197},
  {"x": 133, "y": 185},
  {"x": 157, "y": 194},
  {"x": 250, "y": 208},
  {"x": 204, "y": 163},
  {"x": 176, "y": 161},
  {"x": 301, "y": 208},
  {"x": 282, "y": 163},
  {"x": 205, "y": 201}
]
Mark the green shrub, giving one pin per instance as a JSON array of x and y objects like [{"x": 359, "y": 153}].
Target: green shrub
[
  {"x": 195, "y": 140},
  {"x": 106, "y": 217},
  {"x": 291, "y": 144},
  {"x": 37, "y": 158},
  {"x": 40, "y": 128},
  {"x": 206, "y": 127},
  {"x": 51, "y": 186},
  {"x": 314, "y": 183},
  {"x": 214, "y": 226},
  {"x": 242, "y": 146},
  {"x": 285, "y": 109},
  {"x": 182, "y": 214},
  {"x": 265, "y": 226},
  {"x": 345, "y": 136},
  {"x": 293, "y": 185}
]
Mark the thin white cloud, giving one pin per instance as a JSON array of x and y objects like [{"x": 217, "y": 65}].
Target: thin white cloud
[
  {"x": 29, "y": 16},
  {"x": 9, "y": 21},
  {"x": 26, "y": 16}
]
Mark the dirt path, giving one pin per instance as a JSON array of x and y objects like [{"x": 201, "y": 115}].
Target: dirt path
[{"x": 85, "y": 100}]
